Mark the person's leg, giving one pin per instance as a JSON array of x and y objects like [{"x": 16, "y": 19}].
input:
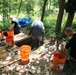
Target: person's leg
[
  {"x": 33, "y": 44},
  {"x": 38, "y": 42},
  {"x": 16, "y": 30},
  {"x": 72, "y": 57},
  {"x": 43, "y": 37},
  {"x": 73, "y": 54}
]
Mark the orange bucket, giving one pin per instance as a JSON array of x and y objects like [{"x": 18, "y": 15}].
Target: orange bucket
[
  {"x": 59, "y": 61},
  {"x": 10, "y": 41},
  {"x": 2, "y": 34},
  {"x": 10, "y": 38},
  {"x": 25, "y": 51},
  {"x": 10, "y": 33}
]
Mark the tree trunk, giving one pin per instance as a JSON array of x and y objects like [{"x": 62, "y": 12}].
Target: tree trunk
[
  {"x": 43, "y": 10},
  {"x": 59, "y": 20},
  {"x": 19, "y": 7},
  {"x": 69, "y": 20},
  {"x": 60, "y": 16},
  {"x": 68, "y": 23}
]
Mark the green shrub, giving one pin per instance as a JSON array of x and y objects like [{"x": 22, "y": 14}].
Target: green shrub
[
  {"x": 50, "y": 23},
  {"x": 74, "y": 25},
  {"x": 5, "y": 25}
]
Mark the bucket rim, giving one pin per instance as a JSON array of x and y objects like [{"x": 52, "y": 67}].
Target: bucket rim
[{"x": 61, "y": 54}]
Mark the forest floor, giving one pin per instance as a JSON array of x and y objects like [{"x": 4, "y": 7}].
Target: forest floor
[{"x": 41, "y": 65}]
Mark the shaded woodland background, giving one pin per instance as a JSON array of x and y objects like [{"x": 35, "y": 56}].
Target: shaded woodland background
[
  {"x": 55, "y": 19},
  {"x": 51, "y": 12}
]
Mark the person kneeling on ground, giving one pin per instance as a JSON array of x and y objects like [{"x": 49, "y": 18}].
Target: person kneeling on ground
[
  {"x": 37, "y": 31},
  {"x": 71, "y": 45}
]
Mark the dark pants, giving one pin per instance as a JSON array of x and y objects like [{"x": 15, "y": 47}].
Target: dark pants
[
  {"x": 35, "y": 43},
  {"x": 16, "y": 30}
]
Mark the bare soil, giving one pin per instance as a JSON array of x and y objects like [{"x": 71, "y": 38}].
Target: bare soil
[{"x": 42, "y": 65}]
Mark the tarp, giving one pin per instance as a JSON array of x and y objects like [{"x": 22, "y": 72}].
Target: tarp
[{"x": 24, "y": 21}]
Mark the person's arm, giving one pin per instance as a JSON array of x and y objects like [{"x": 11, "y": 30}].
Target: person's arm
[
  {"x": 32, "y": 23},
  {"x": 31, "y": 30},
  {"x": 43, "y": 26},
  {"x": 43, "y": 31},
  {"x": 67, "y": 45},
  {"x": 70, "y": 43},
  {"x": 12, "y": 26}
]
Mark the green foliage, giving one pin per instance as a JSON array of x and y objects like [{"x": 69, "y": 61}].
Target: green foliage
[
  {"x": 6, "y": 23},
  {"x": 54, "y": 3},
  {"x": 74, "y": 25},
  {"x": 1, "y": 25},
  {"x": 50, "y": 23},
  {"x": 66, "y": 39},
  {"x": 33, "y": 9},
  {"x": 29, "y": 6}
]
